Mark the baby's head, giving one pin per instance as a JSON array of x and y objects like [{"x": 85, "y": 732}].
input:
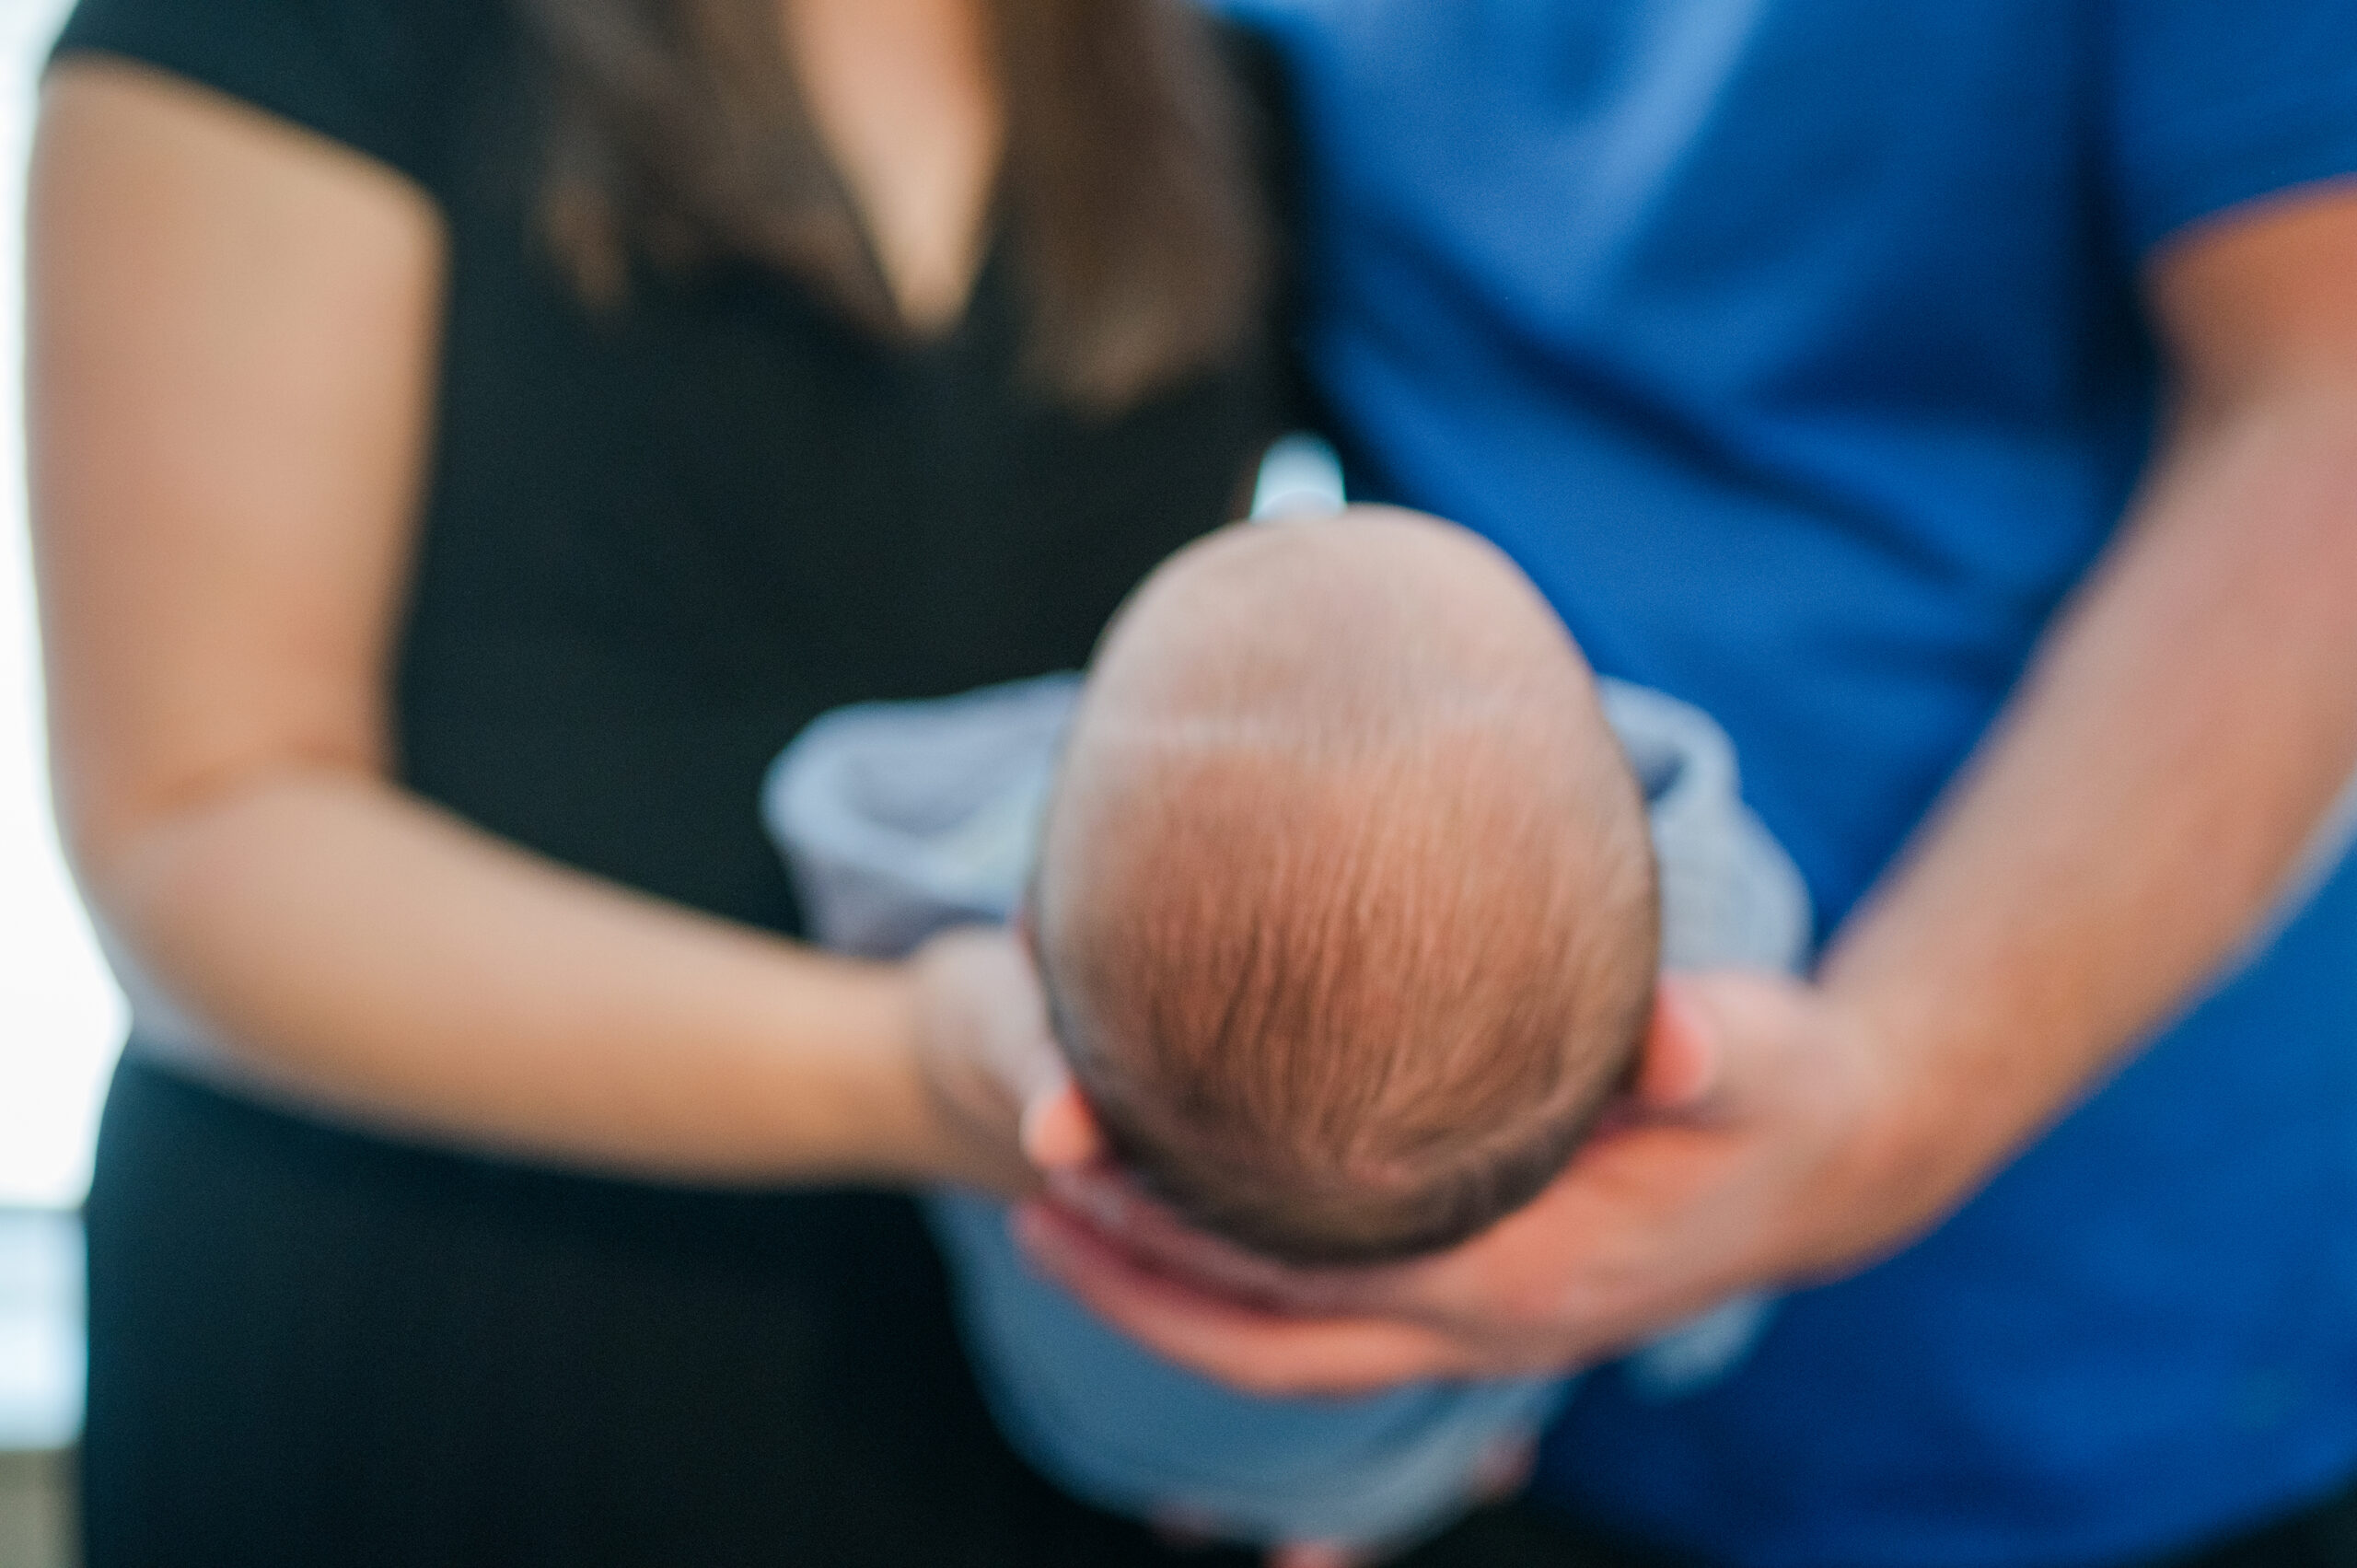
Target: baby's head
[{"x": 1346, "y": 904}]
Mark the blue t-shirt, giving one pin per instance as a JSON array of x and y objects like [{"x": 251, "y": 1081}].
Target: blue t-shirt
[{"x": 1793, "y": 347}]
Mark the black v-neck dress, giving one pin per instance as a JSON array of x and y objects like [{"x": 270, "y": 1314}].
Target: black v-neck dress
[{"x": 653, "y": 546}]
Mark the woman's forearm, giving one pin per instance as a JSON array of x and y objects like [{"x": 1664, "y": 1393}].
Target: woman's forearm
[
  {"x": 233, "y": 351},
  {"x": 338, "y": 942}
]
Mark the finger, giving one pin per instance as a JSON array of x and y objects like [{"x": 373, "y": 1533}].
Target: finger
[
  {"x": 1250, "y": 1349},
  {"x": 1318, "y": 1554},
  {"x": 1060, "y": 1133},
  {"x": 1102, "y": 1196},
  {"x": 1681, "y": 1060},
  {"x": 1754, "y": 1022}
]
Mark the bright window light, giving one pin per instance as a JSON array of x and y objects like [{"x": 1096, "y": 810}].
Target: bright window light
[{"x": 61, "y": 1020}]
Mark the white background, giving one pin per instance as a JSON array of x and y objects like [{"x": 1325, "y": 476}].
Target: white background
[{"x": 60, "y": 1018}]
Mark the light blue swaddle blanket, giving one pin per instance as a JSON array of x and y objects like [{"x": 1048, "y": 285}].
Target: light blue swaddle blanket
[{"x": 899, "y": 819}]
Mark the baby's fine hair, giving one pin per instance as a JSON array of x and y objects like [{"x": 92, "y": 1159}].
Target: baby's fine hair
[{"x": 1346, "y": 905}]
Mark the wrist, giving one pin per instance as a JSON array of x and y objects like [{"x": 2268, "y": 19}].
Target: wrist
[
  {"x": 887, "y": 1128},
  {"x": 1923, "y": 1136},
  {"x": 978, "y": 1033}
]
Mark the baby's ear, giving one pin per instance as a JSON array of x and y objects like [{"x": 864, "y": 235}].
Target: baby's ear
[
  {"x": 1060, "y": 1133},
  {"x": 1680, "y": 1062}
]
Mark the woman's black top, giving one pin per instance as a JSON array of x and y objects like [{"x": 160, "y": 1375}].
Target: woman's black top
[{"x": 654, "y": 543}]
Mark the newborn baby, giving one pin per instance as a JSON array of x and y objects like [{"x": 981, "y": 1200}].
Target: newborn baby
[
  {"x": 1345, "y": 905},
  {"x": 1345, "y": 902}
]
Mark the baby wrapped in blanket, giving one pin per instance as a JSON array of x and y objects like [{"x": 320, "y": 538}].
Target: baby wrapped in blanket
[{"x": 1349, "y": 886}]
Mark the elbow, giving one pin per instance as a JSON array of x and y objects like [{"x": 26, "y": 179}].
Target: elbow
[{"x": 132, "y": 838}]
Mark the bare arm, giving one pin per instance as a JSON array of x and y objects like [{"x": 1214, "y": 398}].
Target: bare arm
[
  {"x": 2121, "y": 834},
  {"x": 233, "y": 337},
  {"x": 2183, "y": 731}
]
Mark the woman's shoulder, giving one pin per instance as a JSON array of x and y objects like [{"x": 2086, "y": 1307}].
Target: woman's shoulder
[{"x": 377, "y": 75}]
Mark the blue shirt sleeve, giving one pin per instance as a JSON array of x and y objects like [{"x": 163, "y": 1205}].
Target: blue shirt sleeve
[{"x": 2217, "y": 102}]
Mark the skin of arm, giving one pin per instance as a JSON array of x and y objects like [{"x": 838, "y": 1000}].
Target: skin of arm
[
  {"x": 2121, "y": 834},
  {"x": 234, "y": 329}
]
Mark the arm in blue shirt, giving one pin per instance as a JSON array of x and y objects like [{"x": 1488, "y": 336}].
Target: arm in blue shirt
[{"x": 2185, "y": 725}]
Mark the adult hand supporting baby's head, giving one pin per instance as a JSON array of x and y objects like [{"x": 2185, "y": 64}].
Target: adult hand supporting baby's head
[
  {"x": 993, "y": 1079},
  {"x": 1756, "y": 1152},
  {"x": 1090, "y": 1199}
]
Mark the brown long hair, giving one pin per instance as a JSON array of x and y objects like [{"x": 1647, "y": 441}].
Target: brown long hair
[{"x": 678, "y": 136}]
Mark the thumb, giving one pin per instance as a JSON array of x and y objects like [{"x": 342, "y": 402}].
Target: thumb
[
  {"x": 1060, "y": 1133},
  {"x": 1744, "y": 1026},
  {"x": 1682, "y": 1061}
]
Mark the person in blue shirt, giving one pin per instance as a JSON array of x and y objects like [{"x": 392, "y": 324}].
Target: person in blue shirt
[{"x": 1960, "y": 402}]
